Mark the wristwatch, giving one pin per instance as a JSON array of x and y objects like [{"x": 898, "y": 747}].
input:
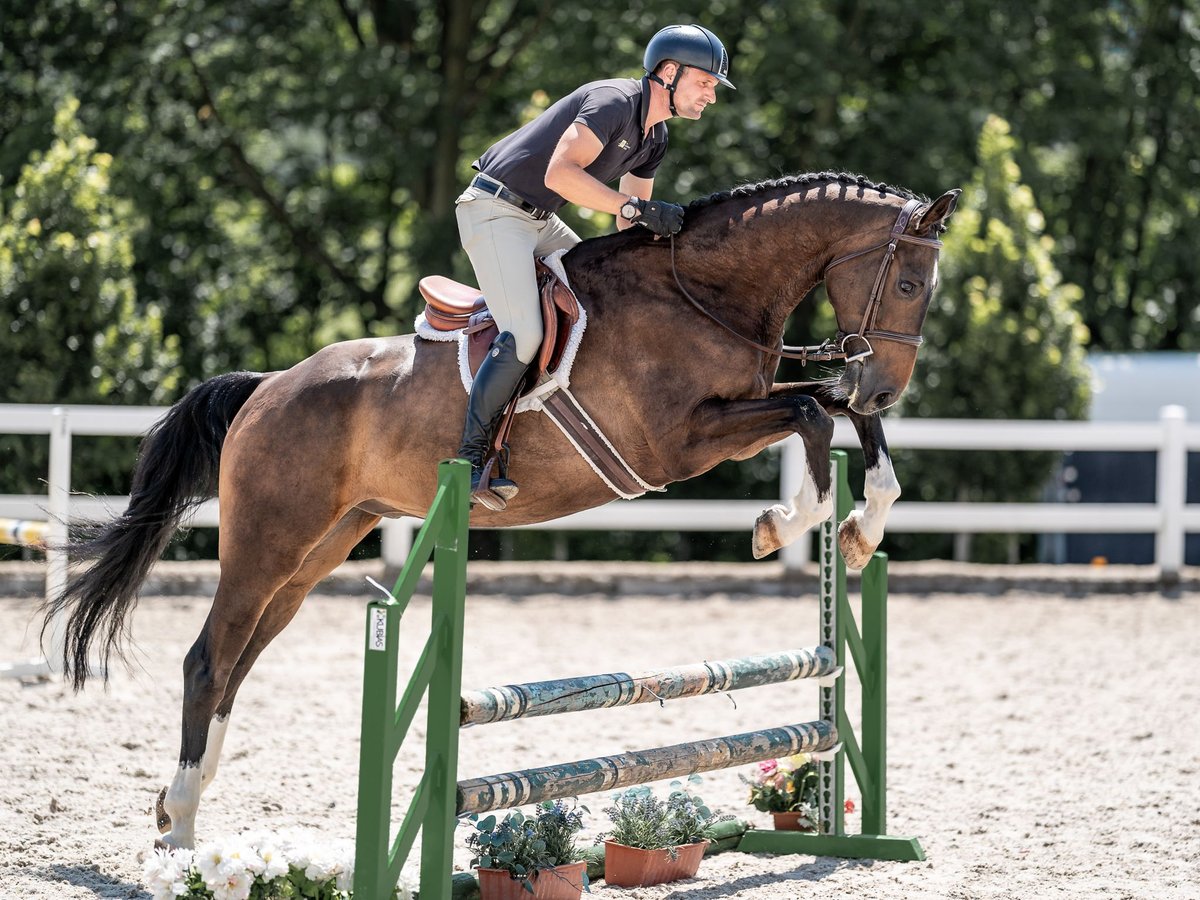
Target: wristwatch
[{"x": 630, "y": 209}]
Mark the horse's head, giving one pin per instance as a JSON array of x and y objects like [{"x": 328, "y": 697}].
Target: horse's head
[{"x": 880, "y": 291}]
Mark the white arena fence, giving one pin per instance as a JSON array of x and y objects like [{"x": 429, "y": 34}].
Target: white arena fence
[{"x": 1169, "y": 518}]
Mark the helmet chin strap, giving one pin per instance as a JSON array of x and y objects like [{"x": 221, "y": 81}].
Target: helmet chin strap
[{"x": 670, "y": 87}]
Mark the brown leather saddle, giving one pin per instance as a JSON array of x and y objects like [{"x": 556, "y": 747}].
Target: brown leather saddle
[{"x": 451, "y": 305}]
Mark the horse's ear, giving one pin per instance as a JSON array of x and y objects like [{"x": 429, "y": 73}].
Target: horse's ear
[{"x": 938, "y": 212}]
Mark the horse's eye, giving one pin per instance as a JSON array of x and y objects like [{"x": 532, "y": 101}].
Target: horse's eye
[{"x": 907, "y": 287}]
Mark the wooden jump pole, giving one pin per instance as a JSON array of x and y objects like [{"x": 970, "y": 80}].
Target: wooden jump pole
[
  {"x": 24, "y": 533},
  {"x": 590, "y": 776},
  {"x": 547, "y": 698}
]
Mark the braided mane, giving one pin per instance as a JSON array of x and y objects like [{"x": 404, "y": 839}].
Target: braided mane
[{"x": 804, "y": 181}]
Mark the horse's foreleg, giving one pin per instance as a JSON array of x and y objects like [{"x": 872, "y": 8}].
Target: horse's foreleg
[
  {"x": 728, "y": 429},
  {"x": 782, "y": 524},
  {"x": 861, "y": 533}
]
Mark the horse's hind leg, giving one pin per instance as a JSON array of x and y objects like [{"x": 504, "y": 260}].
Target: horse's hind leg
[
  {"x": 241, "y": 597},
  {"x": 325, "y": 557},
  {"x": 177, "y": 810}
]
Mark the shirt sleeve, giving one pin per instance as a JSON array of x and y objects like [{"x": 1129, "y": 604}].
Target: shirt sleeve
[
  {"x": 604, "y": 111},
  {"x": 650, "y": 166}
]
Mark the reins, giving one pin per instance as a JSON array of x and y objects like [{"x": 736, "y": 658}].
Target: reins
[{"x": 829, "y": 350}]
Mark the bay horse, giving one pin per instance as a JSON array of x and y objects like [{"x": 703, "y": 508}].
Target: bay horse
[{"x": 307, "y": 460}]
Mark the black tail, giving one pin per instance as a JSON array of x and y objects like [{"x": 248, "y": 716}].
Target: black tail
[{"x": 177, "y": 470}]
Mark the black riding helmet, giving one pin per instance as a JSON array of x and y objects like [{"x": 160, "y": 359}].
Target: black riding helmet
[{"x": 689, "y": 45}]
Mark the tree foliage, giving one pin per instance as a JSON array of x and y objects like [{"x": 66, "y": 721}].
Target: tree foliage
[
  {"x": 1004, "y": 338},
  {"x": 278, "y": 175}
]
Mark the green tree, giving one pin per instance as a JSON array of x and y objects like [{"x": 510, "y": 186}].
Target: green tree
[
  {"x": 73, "y": 331},
  {"x": 291, "y": 167},
  {"x": 1004, "y": 339}
]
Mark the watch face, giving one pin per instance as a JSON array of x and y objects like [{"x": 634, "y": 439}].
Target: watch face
[{"x": 629, "y": 210}]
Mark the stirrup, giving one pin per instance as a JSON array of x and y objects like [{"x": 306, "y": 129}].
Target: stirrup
[{"x": 494, "y": 493}]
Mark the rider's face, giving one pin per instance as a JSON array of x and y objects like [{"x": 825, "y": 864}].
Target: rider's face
[{"x": 696, "y": 90}]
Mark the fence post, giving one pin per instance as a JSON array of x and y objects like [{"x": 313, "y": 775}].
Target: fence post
[
  {"x": 791, "y": 473},
  {"x": 1172, "y": 492},
  {"x": 873, "y": 676},
  {"x": 59, "y": 505},
  {"x": 395, "y": 544},
  {"x": 445, "y": 685},
  {"x": 376, "y": 750}
]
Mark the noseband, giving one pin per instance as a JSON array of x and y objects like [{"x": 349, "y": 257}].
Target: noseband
[{"x": 829, "y": 350}]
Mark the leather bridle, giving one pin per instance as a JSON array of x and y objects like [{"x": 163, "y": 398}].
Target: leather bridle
[{"x": 829, "y": 350}]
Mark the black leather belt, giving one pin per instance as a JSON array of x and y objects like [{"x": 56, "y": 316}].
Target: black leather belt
[{"x": 500, "y": 192}]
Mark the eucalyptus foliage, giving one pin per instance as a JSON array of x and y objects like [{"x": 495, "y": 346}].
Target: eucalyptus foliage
[
  {"x": 642, "y": 820},
  {"x": 520, "y": 844}
]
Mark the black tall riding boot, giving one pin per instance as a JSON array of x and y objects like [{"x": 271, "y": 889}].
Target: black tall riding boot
[{"x": 495, "y": 383}]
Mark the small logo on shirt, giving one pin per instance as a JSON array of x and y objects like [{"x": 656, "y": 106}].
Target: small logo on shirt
[{"x": 623, "y": 144}]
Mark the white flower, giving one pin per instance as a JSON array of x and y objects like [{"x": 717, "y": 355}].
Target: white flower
[
  {"x": 321, "y": 867},
  {"x": 165, "y": 873},
  {"x": 343, "y": 854},
  {"x": 243, "y": 856},
  {"x": 209, "y": 861},
  {"x": 274, "y": 863},
  {"x": 235, "y": 885},
  {"x": 299, "y": 856}
]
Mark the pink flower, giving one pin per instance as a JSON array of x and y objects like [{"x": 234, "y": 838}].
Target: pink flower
[
  {"x": 849, "y": 806},
  {"x": 767, "y": 768}
]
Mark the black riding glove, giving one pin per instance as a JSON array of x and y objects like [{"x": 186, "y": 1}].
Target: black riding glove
[{"x": 664, "y": 219}]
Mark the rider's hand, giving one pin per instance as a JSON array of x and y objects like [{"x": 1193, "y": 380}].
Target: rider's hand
[{"x": 664, "y": 219}]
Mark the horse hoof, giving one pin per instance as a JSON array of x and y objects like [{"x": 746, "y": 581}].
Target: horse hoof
[
  {"x": 855, "y": 547},
  {"x": 161, "y": 819},
  {"x": 766, "y": 536}
]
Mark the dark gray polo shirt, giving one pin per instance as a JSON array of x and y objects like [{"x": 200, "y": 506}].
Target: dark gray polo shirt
[{"x": 614, "y": 110}]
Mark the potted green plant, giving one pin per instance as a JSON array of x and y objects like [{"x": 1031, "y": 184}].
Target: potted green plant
[
  {"x": 787, "y": 788},
  {"x": 521, "y": 857},
  {"x": 652, "y": 841}
]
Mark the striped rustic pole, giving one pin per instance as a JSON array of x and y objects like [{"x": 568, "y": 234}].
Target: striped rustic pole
[
  {"x": 588, "y": 776},
  {"x": 24, "y": 533},
  {"x": 547, "y": 698},
  {"x": 28, "y": 533}
]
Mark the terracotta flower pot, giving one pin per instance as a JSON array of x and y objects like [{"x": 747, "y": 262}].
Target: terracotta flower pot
[
  {"x": 631, "y": 867},
  {"x": 792, "y": 821},
  {"x": 559, "y": 883}
]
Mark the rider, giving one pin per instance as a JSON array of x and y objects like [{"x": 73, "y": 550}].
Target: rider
[{"x": 602, "y": 131}]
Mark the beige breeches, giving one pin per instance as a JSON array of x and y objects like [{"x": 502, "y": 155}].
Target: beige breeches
[{"x": 502, "y": 242}]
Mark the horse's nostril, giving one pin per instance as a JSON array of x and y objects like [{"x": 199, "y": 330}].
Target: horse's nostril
[{"x": 883, "y": 400}]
